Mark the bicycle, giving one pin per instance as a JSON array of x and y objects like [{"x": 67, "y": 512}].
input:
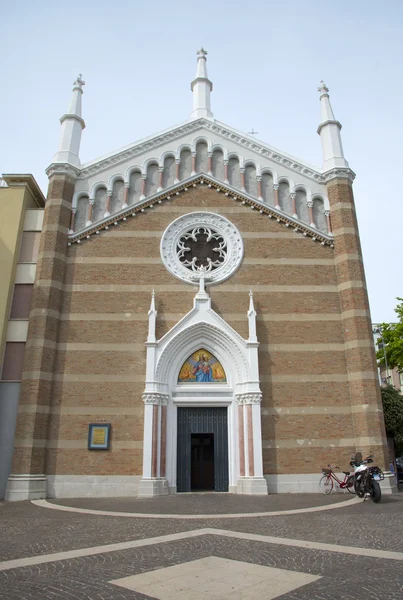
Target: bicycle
[{"x": 326, "y": 482}]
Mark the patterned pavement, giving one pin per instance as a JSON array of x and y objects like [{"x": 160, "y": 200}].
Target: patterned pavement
[{"x": 348, "y": 552}]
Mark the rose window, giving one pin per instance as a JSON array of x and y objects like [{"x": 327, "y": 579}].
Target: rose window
[
  {"x": 201, "y": 240},
  {"x": 202, "y": 246}
]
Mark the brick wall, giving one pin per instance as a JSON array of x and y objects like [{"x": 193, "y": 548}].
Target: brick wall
[{"x": 314, "y": 404}]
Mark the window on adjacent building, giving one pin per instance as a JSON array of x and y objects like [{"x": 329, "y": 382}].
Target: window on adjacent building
[
  {"x": 21, "y": 303},
  {"x": 29, "y": 247},
  {"x": 13, "y": 361}
]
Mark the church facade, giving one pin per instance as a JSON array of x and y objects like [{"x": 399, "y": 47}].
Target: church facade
[{"x": 199, "y": 319}]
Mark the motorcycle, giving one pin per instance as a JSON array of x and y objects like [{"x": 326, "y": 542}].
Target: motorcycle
[{"x": 366, "y": 478}]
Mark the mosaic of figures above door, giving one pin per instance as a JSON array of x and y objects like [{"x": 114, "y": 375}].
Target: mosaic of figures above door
[{"x": 202, "y": 367}]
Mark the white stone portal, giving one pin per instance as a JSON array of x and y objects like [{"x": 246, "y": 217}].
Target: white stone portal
[{"x": 202, "y": 327}]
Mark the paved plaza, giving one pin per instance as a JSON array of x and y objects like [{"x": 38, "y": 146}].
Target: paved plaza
[{"x": 203, "y": 546}]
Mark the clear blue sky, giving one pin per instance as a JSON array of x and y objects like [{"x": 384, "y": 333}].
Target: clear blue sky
[{"x": 265, "y": 58}]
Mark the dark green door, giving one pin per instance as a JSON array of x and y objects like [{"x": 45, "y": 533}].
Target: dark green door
[{"x": 202, "y": 450}]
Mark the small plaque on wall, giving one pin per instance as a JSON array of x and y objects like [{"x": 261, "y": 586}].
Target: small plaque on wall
[{"x": 99, "y": 436}]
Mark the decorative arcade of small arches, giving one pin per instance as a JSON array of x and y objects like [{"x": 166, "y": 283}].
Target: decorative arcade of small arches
[{"x": 140, "y": 182}]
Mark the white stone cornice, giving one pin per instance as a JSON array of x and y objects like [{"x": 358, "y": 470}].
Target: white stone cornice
[
  {"x": 155, "y": 398},
  {"x": 249, "y": 398},
  {"x": 62, "y": 169},
  {"x": 338, "y": 173}
]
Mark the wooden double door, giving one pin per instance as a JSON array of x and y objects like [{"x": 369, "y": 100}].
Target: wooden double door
[{"x": 202, "y": 450}]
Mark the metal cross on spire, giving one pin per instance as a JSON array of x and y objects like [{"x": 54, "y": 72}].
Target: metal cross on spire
[
  {"x": 202, "y": 52},
  {"x": 79, "y": 82},
  {"x": 253, "y": 132}
]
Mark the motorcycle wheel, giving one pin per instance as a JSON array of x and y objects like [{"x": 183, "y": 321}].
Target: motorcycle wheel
[
  {"x": 350, "y": 485},
  {"x": 375, "y": 492},
  {"x": 357, "y": 487},
  {"x": 326, "y": 484}
]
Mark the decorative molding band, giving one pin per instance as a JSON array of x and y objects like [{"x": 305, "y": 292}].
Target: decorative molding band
[
  {"x": 62, "y": 169},
  {"x": 193, "y": 181},
  {"x": 249, "y": 398},
  {"x": 155, "y": 398}
]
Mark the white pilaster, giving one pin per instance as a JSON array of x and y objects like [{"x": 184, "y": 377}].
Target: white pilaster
[
  {"x": 329, "y": 131},
  {"x": 253, "y": 483},
  {"x": 201, "y": 87},
  {"x": 72, "y": 127},
  {"x": 152, "y": 484}
]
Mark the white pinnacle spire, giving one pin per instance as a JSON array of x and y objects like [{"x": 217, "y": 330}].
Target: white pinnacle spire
[
  {"x": 329, "y": 131},
  {"x": 152, "y": 319},
  {"x": 72, "y": 127},
  {"x": 201, "y": 88},
  {"x": 252, "y": 319}
]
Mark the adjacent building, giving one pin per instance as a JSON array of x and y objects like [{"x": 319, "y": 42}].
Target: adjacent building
[{"x": 21, "y": 214}]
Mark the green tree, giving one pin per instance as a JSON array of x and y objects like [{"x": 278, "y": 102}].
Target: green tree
[
  {"x": 392, "y": 402},
  {"x": 392, "y": 341}
]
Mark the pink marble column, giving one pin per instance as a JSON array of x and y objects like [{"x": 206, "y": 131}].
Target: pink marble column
[
  {"x": 328, "y": 222},
  {"x": 275, "y": 190},
  {"x": 226, "y": 171},
  {"x": 154, "y": 456},
  {"x": 126, "y": 196},
  {"x": 310, "y": 210},
  {"x": 89, "y": 211},
  {"x": 163, "y": 440},
  {"x": 241, "y": 436},
  {"x": 259, "y": 187},
  {"x": 293, "y": 197},
  {"x": 143, "y": 186},
  {"x": 251, "y": 459},
  {"x": 210, "y": 163},
  {"x": 72, "y": 219},
  {"x": 160, "y": 177},
  {"x": 242, "y": 172},
  {"x": 108, "y": 203},
  {"x": 193, "y": 163}
]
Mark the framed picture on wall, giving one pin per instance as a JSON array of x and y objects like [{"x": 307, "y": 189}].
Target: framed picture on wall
[{"x": 99, "y": 436}]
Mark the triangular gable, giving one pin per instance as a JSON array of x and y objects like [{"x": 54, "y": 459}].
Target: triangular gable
[
  {"x": 225, "y": 132},
  {"x": 202, "y": 179}
]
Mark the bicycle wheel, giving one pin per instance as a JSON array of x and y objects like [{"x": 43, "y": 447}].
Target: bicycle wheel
[
  {"x": 350, "y": 485},
  {"x": 326, "y": 484}
]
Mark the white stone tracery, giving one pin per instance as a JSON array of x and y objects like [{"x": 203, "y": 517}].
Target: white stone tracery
[{"x": 229, "y": 249}]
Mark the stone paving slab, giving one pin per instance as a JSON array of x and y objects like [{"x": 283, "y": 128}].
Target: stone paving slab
[{"x": 340, "y": 576}]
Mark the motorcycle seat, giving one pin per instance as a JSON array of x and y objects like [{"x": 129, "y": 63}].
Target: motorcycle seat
[{"x": 346, "y": 472}]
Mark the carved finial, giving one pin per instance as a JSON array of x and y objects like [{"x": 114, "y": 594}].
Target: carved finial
[
  {"x": 251, "y": 304},
  {"x": 202, "y": 52},
  {"x": 152, "y": 305},
  {"x": 322, "y": 88},
  {"x": 79, "y": 82}
]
